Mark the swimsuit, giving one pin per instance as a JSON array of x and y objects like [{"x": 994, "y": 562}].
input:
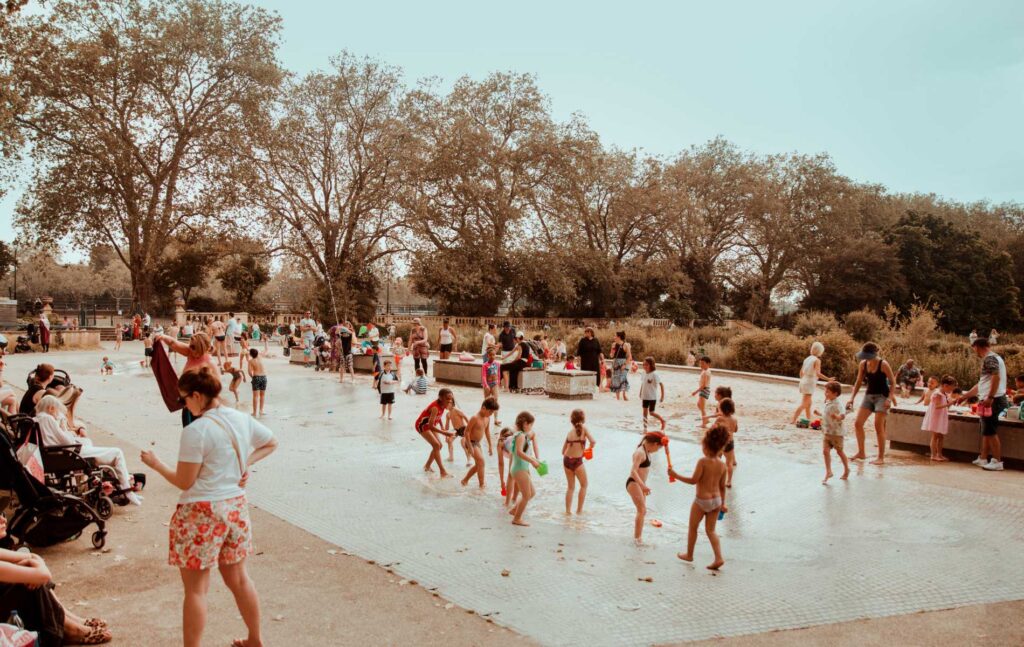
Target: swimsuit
[
  {"x": 259, "y": 382},
  {"x": 460, "y": 431},
  {"x": 646, "y": 463},
  {"x": 518, "y": 462},
  {"x": 709, "y": 505},
  {"x": 474, "y": 443},
  {"x": 705, "y": 392},
  {"x": 572, "y": 464},
  {"x": 423, "y": 421}
]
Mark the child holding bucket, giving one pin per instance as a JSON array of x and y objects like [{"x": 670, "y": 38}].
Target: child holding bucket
[
  {"x": 574, "y": 450},
  {"x": 521, "y": 462},
  {"x": 636, "y": 484},
  {"x": 709, "y": 477}
]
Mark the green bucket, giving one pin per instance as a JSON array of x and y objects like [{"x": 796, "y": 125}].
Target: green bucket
[{"x": 542, "y": 468}]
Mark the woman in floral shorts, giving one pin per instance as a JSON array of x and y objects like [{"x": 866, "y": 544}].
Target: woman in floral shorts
[{"x": 210, "y": 527}]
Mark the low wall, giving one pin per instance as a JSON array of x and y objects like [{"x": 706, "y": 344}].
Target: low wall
[
  {"x": 570, "y": 385},
  {"x": 963, "y": 440}
]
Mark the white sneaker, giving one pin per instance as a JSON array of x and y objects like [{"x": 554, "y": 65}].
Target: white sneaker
[
  {"x": 994, "y": 466},
  {"x": 980, "y": 462}
]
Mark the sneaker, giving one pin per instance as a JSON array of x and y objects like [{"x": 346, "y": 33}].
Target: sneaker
[
  {"x": 980, "y": 462},
  {"x": 994, "y": 466}
]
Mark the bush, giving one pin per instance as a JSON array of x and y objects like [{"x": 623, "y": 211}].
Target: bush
[
  {"x": 839, "y": 360},
  {"x": 864, "y": 325},
  {"x": 814, "y": 323},
  {"x": 768, "y": 351}
]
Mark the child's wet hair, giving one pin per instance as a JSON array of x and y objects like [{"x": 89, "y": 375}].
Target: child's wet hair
[
  {"x": 727, "y": 406},
  {"x": 949, "y": 379},
  {"x": 706, "y": 360},
  {"x": 491, "y": 404},
  {"x": 723, "y": 392},
  {"x": 649, "y": 362},
  {"x": 504, "y": 433},
  {"x": 524, "y": 418},
  {"x": 834, "y": 387},
  {"x": 254, "y": 353},
  {"x": 577, "y": 418},
  {"x": 655, "y": 437},
  {"x": 419, "y": 372},
  {"x": 716, "y": 438},
  {"x": 444, "y": 393}
]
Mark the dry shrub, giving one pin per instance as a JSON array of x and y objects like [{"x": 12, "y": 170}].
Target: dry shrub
[
  {"x": 839, "y": 360},
  {"x": 864, "y": 325},
  {"x": 706, "y": 335},
  {"x": 768, "y": 351},
  {"x": 814, "y": 323}
]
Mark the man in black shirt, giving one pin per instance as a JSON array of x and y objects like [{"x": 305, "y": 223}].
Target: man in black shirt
[
  {"x": 589, "y": 351},
  {"x": 507, "y": 337}
]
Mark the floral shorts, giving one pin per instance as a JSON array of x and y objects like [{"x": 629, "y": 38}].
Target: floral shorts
[{"x": 206, "y": 534}]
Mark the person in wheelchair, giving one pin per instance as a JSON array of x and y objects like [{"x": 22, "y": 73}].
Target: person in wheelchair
[
  {"x": 50, "y": 416},
  {"x": 41, "y": 384}
]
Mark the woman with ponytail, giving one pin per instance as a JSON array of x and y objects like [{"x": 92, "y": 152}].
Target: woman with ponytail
[
  {"x": 636, "y": 484},
  {"x": 573, "y": 449}
]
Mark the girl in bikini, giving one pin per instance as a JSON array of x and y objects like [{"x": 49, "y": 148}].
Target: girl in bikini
[
  {"x": 636, "y": 484},
  {"x": 458, "y": 420},
  {"x": 428, "y": 424},
  {"x": 726, "y": 417},
  {"x": 709, "y": 477},
  {"x": 572, "y": 459},
  {"x": 521, "y": 462}
]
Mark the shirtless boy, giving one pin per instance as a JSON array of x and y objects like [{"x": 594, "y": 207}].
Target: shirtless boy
[{"x": 478, "y": 429}]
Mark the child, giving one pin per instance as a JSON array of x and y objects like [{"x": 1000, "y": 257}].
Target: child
[
  {"x": 490, "y": 377},
  {"x": 236, "y": 377},
  {"x": 398, "y": 350},
  {"x": 259, "y": 380},
  {"x": 726, "y": 416},
  {"x": 933, "y": 383},
  {"x": 505, "y": 453},
  {"x": 147, "y": 352},
  {"x": 832, "y": 426},
  {"x": 118, "y": 336},
  {"x": 387, "y": 385},
  {"x": 428, "y": 425},
  {"x": 649, "y": 392},
  {"x": 243, "y": 352},
  {"x": 606, "y": 380},
  {"x": 457, "y": 419},
  {"x": 419, "y": 385},
  {"x": 1018, "y": 393},
  {"x": 703, "y": 391},
  {"x": 636, "y": 484},
  {"x": 709, "y": 477},
  {"x": 572, "y": 363},
  {"x": 936, "y": 419},
  {"x": 519, "y": 471},
  {"x": 107, "y": 367},
  {"x": 476, "y": 430},
  {"x": 560, "y": 350},
  {"x": 573, "y": 450}
]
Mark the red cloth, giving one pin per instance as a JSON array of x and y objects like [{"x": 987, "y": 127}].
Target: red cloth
[{"x": 166, "y": 378}]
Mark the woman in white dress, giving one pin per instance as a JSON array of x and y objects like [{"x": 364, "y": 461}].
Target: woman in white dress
[{"x": 810, "y": 373}]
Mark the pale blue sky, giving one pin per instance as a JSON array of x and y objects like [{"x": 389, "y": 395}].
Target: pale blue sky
[{"x": 916, "y": 95}]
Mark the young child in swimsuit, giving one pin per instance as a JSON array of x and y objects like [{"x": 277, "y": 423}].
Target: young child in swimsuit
[
  {"x": 107, "y": 367},
  {"x": 933, "y": 384},
  {"x": 428, "y": 425},
  {"x": 572, "y": 363},
  {"x": 521, "y": 462},
  {"x": 636, "y": 484},
  {"x": 709, "y": 477},
  {"x": 478, "y": 429},
  {"x": 236, "y": 378},
  {"x": 726, "y": 416},
  {"x": 490, "y": 377},
  {"x": 457, "y": 419},
  {"x": 259, "y": 380},
  {"x": 703, "y": 391},
  {"x": 505, "y": 448},
  {"x": 147, "y": 352},
  {"x": 572, "y": 459}
]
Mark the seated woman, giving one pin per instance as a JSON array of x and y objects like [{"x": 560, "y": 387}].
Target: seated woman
[
  {"x": 40, "y": 386},
  {"x": 53, "y": 425},
  {"x": 26, "y": 586}
]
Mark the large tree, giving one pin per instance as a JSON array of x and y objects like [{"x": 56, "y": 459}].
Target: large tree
[
  {"x": 134, "y": 113},
  {"x": 325, "y": 166}
]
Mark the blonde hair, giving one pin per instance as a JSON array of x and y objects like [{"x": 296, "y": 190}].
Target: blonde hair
[
  {"x": 199, "y": 345},
  {"x": 817, "y": 349},
  {"x": 50, "y": 403}
]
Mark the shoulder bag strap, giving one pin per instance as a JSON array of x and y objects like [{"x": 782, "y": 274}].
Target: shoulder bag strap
[{"x": 234, "y": 443}]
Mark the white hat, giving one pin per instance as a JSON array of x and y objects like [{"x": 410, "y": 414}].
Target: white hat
[{"x": 519, "y": 335}]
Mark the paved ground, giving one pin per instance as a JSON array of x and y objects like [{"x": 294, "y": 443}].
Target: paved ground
[{"x": 901, "y": 539}]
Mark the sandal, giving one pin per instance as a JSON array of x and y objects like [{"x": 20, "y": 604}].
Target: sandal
[
  {"x": 96, "y": 636},
  {"x": 95, "y": 622}
]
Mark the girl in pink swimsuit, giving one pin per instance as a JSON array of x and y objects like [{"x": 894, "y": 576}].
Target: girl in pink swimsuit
[{"x": 572, "y": 459}]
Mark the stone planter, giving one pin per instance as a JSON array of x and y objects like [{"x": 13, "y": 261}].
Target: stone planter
[
  {"x": 364, "y": 363},
  {"x": 570, "y": 385}
]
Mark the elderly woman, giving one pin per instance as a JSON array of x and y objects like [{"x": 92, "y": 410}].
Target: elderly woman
[
  {"x": 197, "y": 355},
  {"x": 589, "y": 352},
  {"x": 419, "y": 346},
  {"x": 52, "y": 419},
  {"x": 810, "y": 373}
]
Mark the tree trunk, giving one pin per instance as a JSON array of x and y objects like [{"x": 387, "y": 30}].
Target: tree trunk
[{"x": 142, "y": 284}]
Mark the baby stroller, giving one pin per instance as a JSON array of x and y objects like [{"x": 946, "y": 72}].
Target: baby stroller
[
  {"x": 60, "y": 378},
  {"x": 43, "y": 516}
]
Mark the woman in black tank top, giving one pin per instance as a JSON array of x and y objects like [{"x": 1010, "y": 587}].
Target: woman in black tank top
[{"x": 877, "y": 375}]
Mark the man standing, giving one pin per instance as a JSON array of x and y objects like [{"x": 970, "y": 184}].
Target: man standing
[
  {"x": 307, "y": 326},
  {"x": 991, "y": 390},
  {"x": 507, "y": 340},
  {"x": 345, "y": 335},
  {"x": 147, "y": 321},
  {"x": 233, "y": 332}
]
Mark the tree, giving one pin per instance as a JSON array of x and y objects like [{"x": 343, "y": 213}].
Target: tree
[
  {"x": 244, "y": 277},
  {"x": 325, "y": 166},
  {"x": 478, "y": 156},
  {"x": 182, "y": 271},
  {"x": 134, "y": 110},
  {"x": 7, "y": 259}
]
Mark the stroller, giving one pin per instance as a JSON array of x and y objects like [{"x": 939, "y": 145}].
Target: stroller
[
  {"x": 60, "y": 378},
  {"x": 68, "y": 471},
  {"x": 42, "y": 516}
]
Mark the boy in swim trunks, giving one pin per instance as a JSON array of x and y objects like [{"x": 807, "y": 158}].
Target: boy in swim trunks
[
  {"x": 709, "y": 477},
  {"x": 703, "y": 391},
  {"x": 478, "y": 429},
  {"x": 457, "y": 420},
  {"x": 259, "y": 380}
]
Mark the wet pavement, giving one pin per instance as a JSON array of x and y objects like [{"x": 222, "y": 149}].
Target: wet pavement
[{"x": 797, "y": 553}]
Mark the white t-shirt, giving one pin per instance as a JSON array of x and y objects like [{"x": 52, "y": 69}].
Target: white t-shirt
[
  {"x": 233, "y": 329},
  {"x": 992, "y": 365},
  {"x": 307, "y": 332},
  {"x": 488, "y": 342},
  {"x": 649, "y": 387},
  {"x": 388, "y": 383},
  {"x": 207, "y": 442}
]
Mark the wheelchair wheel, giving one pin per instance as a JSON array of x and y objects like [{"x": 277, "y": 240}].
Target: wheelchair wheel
[
  {"x": 104, "y": 507},
  {"x": 99, "y": 539}
]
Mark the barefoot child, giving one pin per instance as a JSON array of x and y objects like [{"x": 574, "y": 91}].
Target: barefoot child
[
  {"x": 521, "y": 462},
  {"x": 107, "y": 367},
  {"x": 727, "y": 417},
  {"x": 936, "y": 419},
  {"x": 236, "y": 378},
  {"x": 147, "y": 353},
  {"x": 387, "y": 386},
  {"x": 428, "y": 424},
  {"x": 709, "y": 477},
  {"x": 703, "y": 391},
  {"x": 636, "y": 484},
  {"x": 933, "y": 385},
  {"x": 649, "y": 391},
  {"x": 573, "y": 449},
  {"x": 458, "y": 420},
  {"x": 259, "y": 380},
  {"x": 490, "y": 377},
  {"x": 505, "y": 448},
  {"x": 832, "y": 426},
  {"x": 478, "y": 429}
]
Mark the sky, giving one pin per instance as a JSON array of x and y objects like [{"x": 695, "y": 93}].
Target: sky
[{"x": 916, "y": 95}]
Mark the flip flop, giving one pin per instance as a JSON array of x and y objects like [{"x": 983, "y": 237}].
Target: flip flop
[{"x": 96, "y": 622}]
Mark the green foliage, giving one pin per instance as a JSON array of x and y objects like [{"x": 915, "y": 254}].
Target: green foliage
[
  {"x": 863, "y": 325},
  {"x": 244, "y": 277},
  {"x": 183, "y": 271},
  {"x": 839, "y": 358},
  {"x": 814, "y": 323},
  {"x": 6, "y": 259},
  {"x": 769, "y": 351}
]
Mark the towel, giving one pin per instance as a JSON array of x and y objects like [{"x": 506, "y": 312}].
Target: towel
[{"x": 166, "y": 378}]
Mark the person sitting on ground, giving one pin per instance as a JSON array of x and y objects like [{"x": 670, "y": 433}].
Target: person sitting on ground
[
  {"x": 26, "y": 586},
  {"x": 50, "y": 415},
  {"x": 1018, "y": 391},
  {"x": 107, "y": 367},
  {"x": 41, "y": 385},
  {"x": 907, "y": 377},
  {"x": 418, "y": 385}
]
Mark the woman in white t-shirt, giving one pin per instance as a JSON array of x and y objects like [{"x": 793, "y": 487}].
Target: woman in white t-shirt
[
  {"x": 211, "y": 526},
  {"x": 810, "y": 373}
]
